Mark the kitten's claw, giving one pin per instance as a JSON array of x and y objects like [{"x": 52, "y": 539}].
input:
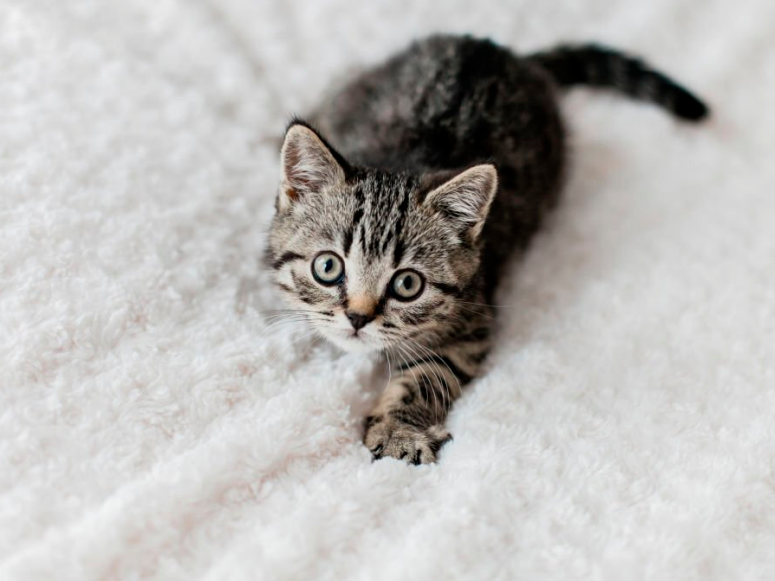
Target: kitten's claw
[
  {"x": 386, "y": 436},
  {"x": 377, "y": 452}
]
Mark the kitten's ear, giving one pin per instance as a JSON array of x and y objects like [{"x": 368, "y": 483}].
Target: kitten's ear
[
  {"x": 465, "y": 199},
  {"x": 309, "y": 165}
]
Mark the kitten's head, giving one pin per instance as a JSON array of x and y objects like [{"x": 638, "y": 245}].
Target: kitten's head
[{"x": 374, "y": 259}]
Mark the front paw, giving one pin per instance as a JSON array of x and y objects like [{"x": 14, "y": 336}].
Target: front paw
[{"x": 387, "y": 436}]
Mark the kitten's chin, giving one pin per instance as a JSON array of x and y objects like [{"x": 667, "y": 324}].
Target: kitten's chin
[{"x": 353, "y": 344}]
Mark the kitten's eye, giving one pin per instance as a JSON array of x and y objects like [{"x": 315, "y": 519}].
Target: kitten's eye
[
  {"x": 406, "y": 285},
  {"x": 328, "y": 268}
]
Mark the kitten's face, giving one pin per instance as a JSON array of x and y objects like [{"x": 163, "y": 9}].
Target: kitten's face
[{"x": 373, "y": 260}]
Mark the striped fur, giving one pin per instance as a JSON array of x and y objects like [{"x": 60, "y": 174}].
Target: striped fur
[
  {"x": 601, "y": 66},
  {"x": 441, "y": 162}
]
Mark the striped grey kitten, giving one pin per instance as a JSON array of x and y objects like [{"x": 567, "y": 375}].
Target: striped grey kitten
[{"x": 436, "y": 166}]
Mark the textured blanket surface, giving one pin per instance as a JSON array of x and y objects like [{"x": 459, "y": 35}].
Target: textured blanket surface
[{"x": 155, "y": 425}]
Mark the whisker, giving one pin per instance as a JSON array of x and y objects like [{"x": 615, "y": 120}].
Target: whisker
[
  {"x": 474, "y": 311},
  {"x": 390, "y": 371},
  {"x": 438, "y": 357},
  {"x": 404, "y": 361},
  {"x": 487, "y": 305},
  {"x": 278, "y": 323},
  {"x": 414, "y": 355},
  {"x": 298, "y": 312}
]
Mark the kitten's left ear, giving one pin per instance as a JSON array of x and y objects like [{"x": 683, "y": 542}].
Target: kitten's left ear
[
  {"x": 309, "y": 166},
  {"x": 466, "y": 198}
]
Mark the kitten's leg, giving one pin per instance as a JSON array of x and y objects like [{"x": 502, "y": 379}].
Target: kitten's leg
[{"x": 408, "y": 421}]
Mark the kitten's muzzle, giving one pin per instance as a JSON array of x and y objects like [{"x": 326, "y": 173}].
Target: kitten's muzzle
[{"x": 359, "y": 320}]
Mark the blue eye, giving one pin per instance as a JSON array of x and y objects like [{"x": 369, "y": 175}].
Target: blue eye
[
  {"x": 328, "y": 268},
  {"x": 406, "y": 285}
]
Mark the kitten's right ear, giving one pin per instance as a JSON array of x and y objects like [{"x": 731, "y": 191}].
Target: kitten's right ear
[
  {"x": 309, "y": 166},
  {"x": 465, "y": 199}
]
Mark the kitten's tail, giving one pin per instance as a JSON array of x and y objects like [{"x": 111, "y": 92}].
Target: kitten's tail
[{"x": 599, "y": 66}]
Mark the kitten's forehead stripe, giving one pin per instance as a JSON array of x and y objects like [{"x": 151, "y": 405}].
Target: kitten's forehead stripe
[
  {"x": 362, "y": 237},
  {"x": 348, "y": 239},
  {"x": 382, "y": 215},
  {"x": 398, "y": 252},
  {"x": 397, "y": 229}
]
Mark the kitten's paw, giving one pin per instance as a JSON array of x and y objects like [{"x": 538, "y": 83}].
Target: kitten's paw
[{"x": 386, "y": 436}]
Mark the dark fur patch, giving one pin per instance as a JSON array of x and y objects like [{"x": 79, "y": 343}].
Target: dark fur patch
[
  {"x": 286, "y": 258},
  {"x": 398, "y": 252},
  {"x": 604, "y": 67},
  {"x": 348, "y": 236},
  {"x": 478, "y": 334},
  {"x": 371, "y": 421},
  {"x": 447, "y": 289},
  {"x": 478, "y": 358}
]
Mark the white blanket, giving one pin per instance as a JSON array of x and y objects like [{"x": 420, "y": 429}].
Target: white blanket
[{"x": 154, "y": 425}]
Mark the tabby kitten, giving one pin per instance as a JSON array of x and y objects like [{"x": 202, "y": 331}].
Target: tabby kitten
[{"x": 437, "y": 165}]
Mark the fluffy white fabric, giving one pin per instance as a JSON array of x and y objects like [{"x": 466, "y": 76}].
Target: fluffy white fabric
[{"x": 152, "y": 425}]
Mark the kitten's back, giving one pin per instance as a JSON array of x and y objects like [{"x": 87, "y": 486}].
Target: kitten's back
[
  {"x": 443, "y": 103},
  {"x": 450, "y": 102}
]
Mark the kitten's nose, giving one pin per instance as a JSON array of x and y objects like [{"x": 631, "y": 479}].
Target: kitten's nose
[{"x": 359, "y": 320}]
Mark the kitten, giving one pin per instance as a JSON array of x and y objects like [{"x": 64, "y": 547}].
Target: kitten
[{"x": 441, "y": 163}]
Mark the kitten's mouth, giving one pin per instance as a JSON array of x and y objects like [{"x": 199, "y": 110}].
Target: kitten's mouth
[
  {"x": 353, "y": 341},
  {"x": 355, "y": 337}
]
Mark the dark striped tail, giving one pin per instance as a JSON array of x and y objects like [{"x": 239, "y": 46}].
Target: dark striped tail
[{"x": 599, "y": 66}]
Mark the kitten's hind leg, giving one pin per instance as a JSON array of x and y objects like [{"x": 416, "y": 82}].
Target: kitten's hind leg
[{"x": 408, "y": 421}]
